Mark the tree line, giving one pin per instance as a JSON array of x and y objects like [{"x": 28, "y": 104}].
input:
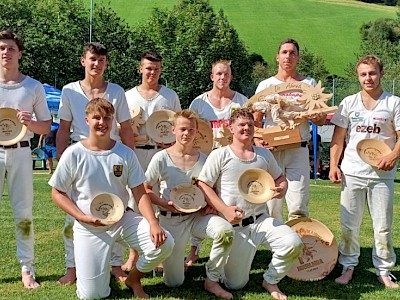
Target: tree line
[{"x": 189, "y": 37}]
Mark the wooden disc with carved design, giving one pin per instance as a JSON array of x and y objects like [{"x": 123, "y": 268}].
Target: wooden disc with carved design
[
  {"x": 320, "y": 250},
  {"x": 159, "y": 126},
  {"x": 204, "y": 138},
  {"x": 11, "y": 129}
]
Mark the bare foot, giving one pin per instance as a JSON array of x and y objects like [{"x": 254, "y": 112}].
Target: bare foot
[
  {"x": 345, "y": 277},
  {"x": 214, "y": 288},
  {"x": 131, "y": 262},
  {"x": 117, "y": 272},
  {"x": 159, "y": 268},
  {"x": 134, "y": 285},
  {"x": 387, "y": 281},
  {"x": 29, "y": 281},
  {"x": 69, "y": 277},
  {"x": 274, "y": 290}
]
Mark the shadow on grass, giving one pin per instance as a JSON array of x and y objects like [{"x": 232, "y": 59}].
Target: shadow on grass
[{"x": 364, "y": 282}]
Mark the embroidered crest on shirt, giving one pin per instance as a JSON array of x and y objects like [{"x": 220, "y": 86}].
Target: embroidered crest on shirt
[{"x": 117, "y": 169}]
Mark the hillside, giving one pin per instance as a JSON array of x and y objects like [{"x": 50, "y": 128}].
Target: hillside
[{"x": 329, "y": 28}]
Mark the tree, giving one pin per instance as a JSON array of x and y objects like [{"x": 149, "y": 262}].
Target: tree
[
  {"x": 313, "y": 65},
  {"x": 382, "y": 38},
  {"x": 190, "y": 37},
  {"x": 54, "y": 33}
]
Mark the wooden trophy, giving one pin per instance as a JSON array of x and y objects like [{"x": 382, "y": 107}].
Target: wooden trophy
[{"x": 289, "y": 104}]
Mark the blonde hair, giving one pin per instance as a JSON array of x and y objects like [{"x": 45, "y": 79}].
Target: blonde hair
[
  {"x": 99, "y": 106},
  {"x": 187, "y": 114},
  {"x": 370, "y": 60}
]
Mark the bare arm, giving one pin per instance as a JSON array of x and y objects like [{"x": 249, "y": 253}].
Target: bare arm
[
  {"x": 66, "y": 204},
  {"x": 40, "y": 141},
  {"x": 38, "y": 127},
  {"x": 157, "y": 200},
  {"x": 232, "y": 214},
  {"x": 62, "y": 137},
  {"x": 126, "y": 133},
  {"x": 336, "y": 150},
  {"x": 157, "y": 234},
  {"x": 280, "y": 188},
  {"x": 389, "y": 161}
]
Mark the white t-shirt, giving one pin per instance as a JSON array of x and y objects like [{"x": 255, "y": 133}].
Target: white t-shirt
[
  {"x": 216, "y": 116},
  {"x": 304, "y": 127},
  {"x": 163, "y": 171},
  {"x": 83, "y": 173},
  {"x": 165, "y": 99},
  {"x": 381, "y": 123},
  {"x": 73, "y": 103},
  {"x": 27, "y": 95},
  {"x": 223, "y": 169}
]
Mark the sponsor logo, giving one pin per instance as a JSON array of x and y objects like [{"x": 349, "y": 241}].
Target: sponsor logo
[
  {"x": 379, "y": 119},
  {"x": 368, "y": 129},
  {"x": 218, "y": 123}
]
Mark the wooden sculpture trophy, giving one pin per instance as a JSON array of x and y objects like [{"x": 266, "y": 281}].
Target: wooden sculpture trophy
[{"x": 287, "y": 111}]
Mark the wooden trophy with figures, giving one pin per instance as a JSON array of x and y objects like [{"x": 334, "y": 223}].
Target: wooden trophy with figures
[{"x": 288, "y": 105}]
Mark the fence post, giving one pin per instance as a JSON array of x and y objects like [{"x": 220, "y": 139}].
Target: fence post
[{"x": 393, "y": 86}]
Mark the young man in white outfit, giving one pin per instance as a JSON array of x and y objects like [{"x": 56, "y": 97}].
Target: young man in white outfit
[
  {"x": 151, "y": 96},
  {"x": 179, "y": 164},
  {"x": 215, "y": 106},
  {"x": 26, "y": 95},
  {"x": 253, "y": 227},
  {"x": 371, "y": 113},
  {"x": 295, "y": 161},
  {"x": 98, "y": 165},
  {"x": 74, "y": 98}
]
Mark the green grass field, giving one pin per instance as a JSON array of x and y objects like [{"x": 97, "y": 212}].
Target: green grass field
[
  {"x": 328, "y": 28},
  {"x": 49, "y": 219}
]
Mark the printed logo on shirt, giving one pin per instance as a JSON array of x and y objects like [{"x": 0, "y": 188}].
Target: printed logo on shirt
[
  {"x": 357, "y": 117},
  {"x": 117, "y": 170},
  {"x": 379, "y": 119},
  {"x": 369, "y": 129},
  {"x": 218, "y": 123}
]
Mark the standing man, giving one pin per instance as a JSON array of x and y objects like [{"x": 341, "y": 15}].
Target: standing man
[
  {"x": 215, "y": 107},
  {"x": 151, "y": 96},
  {"x": 371, "y": 113},
  {"x": 74, "y": 98},
  {"x": 294, "y": 161},
  {"x": 253, "y": 227},
  {"x": 99, "y": 165},
  {"x": 26, "y": 95}
]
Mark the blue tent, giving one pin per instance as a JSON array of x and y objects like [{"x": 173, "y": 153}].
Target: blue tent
[{"x": 53, "y": 96}]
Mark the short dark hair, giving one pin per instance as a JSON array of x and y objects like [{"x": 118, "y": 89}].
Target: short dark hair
[
  {"x": 240, "y": 113},
  {"x": 8, "y": 34},
  {"x": 151, "y": 55},
  {"x": 99, "y": 106},
  {"x": 370, "y": 60},
  {"x": 95, "y": 48},
  {"x": 289, "y": 41}
]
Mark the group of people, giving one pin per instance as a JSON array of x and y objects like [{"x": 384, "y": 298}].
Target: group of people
[{"x": 97, "y": 153}]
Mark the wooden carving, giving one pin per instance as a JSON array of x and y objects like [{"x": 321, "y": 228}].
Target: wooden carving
[{"x": 136, "y": 122}]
